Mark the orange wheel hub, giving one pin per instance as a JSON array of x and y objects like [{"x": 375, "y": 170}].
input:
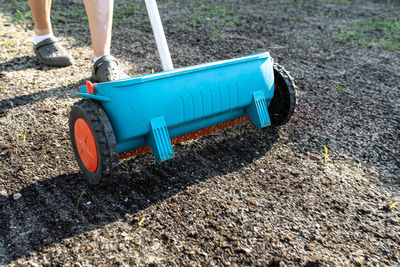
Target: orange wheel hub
[{"x": 86, "y": 145}]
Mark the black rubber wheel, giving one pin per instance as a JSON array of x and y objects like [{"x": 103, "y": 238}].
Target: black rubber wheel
[
  {"x": 98, "y": 169},
  {"x": 283, "y": 103}
]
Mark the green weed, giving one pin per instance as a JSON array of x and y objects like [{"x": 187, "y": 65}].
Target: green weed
[
  {"x": 23, "y": 16},
  {"x": 141, "y": 221},
  {"x": 74, "y": 13},
  {"x": 326, "y": 154},
  {"x": 24, "y": 138},
  {"x": 22, "y": 11},
  {"x": 79, "y": 200},
  {"x": 221, "y": 238},
  {"x": 384, "y": 34},
  {"x": 128, "y": 12},
  {"x": 340, "y": 90},
  {"x": 215, "y": 16},
  {"x": 10, "y": 44}
]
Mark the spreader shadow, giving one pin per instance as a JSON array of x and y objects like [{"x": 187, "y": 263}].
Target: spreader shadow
[{"x": 65, "y": 206}]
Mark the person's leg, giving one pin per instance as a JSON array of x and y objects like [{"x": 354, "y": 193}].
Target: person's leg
[
  {"x": 100, "y": 15},
  {"x": 41, "y": 16},
  {"x": 46, "y": 47}
]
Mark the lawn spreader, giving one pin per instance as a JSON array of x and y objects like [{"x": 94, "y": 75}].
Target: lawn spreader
[{"x": 128, "y": 117}]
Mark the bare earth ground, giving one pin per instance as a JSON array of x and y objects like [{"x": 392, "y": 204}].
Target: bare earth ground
[{"x": 237, "y": 197}]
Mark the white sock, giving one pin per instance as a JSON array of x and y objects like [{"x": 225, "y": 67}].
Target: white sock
[
  {"x": 97, "y": 58},
  {"x": 38, "y": 38}
]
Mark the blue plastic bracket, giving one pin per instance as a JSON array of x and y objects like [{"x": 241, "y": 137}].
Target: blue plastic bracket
[
  {"x": 159, "y": 140},
  {"x": 258, "y": 110}
]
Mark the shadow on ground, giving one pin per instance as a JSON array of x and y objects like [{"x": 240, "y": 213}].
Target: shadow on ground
[
  {"x": 50, "y": 211},
  {"x": 27, "y": 99},
  {"x": 20, "y": 63}
]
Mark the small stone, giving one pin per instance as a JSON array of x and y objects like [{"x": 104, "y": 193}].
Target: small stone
[
  {"x": 203, "y": 254},
  {"x": 156, "y": 246},
  {"x": 3, "y": 193},
  {"x": 276, "y": 261},
  {"x": 385, "y": 260},
  {"x": 262, "y": 170},
  {"x": 151, "y": 260},
  {"x": 310, "y": 246},
  {"x": 17, "y": 196},
  {"x": 241, "y": 249},
  {"x": 289, "y": 237},
  {"x": 252, "y": 201},
  {"x": 359, "y": 261},
  {"x": 247, "y": 250}
]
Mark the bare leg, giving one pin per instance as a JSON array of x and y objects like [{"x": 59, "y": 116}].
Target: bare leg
[
  {"x": 41, "y": 16},
  {"x": 100, "y": 14}
]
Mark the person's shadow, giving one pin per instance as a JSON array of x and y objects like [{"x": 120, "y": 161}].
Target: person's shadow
[
  {"x": 22, "y": 100},
  {"x": 20, "y": 63},
  {"x": 65, "y": 206}
]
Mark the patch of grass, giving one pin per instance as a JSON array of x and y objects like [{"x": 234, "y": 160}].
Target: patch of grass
[
  {"x": 23, "y": 16},
  {"x": 73, "y": 13},
  {"x": 20, "y": 11},
  {"x": 215, "y": 16},
  {"x": 337, "y": 2},
  {"x": 384, "y": 34},
  {"x": 124, "y": 12}
]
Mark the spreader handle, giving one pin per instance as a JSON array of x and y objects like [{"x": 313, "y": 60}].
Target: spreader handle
[{"x": 158, "y": 31}]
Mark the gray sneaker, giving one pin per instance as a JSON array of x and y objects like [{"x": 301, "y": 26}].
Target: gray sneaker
[
  {"x": 106, "y": 69},
  {"x": 51, "y": 53}
]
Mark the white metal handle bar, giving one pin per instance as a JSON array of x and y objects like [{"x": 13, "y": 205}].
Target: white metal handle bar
[{"x": 159, "y": 35}]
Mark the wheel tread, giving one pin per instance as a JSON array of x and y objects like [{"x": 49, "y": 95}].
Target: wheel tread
[{"x": 104, "y": 135}]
